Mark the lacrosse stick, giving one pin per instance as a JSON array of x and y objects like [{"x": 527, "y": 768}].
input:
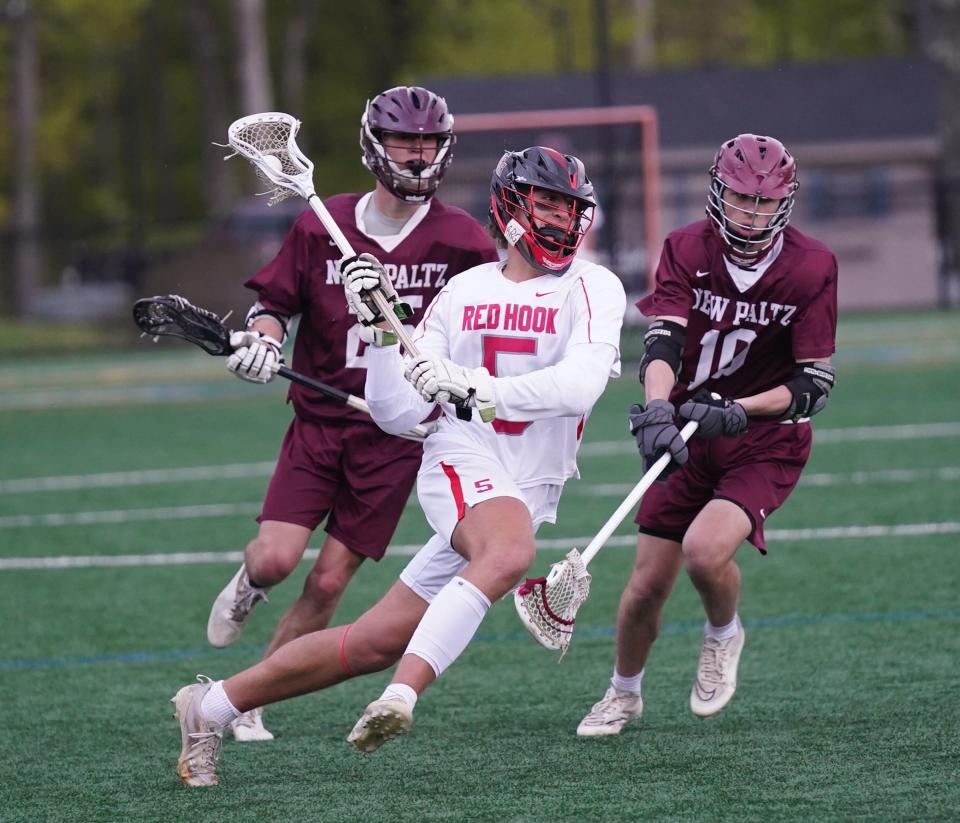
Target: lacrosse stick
[
  {"x": 175, "y": 316},
  {"x": 548, "y": 605},
  {"x": 269, "y": 142}
]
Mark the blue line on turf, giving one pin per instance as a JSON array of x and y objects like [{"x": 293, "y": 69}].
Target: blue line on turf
[{"x": 582, "y": 632}]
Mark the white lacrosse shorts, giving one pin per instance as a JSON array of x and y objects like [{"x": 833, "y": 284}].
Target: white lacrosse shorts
[{"x": 445, "y": 492}]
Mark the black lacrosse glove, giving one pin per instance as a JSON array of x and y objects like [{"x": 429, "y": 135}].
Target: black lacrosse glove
[
  {"x": 656, "y": 434},
  {"x": 717, "y": 416}
]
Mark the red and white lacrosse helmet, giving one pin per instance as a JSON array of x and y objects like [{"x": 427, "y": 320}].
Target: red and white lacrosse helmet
[{"x": 546, "y": 245}]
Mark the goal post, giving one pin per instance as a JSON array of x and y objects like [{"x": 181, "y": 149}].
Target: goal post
[{"x": 634, "y": 149}]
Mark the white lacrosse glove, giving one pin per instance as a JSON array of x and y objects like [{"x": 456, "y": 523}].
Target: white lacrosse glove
[
  {"x": 256, "y": 357},
  {"x": 443, "y": 381},
  {"x": 363, "y": 275}
]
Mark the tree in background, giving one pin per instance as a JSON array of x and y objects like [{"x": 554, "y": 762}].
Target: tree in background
[
  {"x": 758, "y": 33},
  {"x": 131, "y": 93}
]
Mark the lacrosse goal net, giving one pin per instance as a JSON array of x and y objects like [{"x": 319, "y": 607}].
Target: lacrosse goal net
[{"x": 619, "y": 146}]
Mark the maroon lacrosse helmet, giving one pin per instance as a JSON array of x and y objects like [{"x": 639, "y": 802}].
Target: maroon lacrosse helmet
[
  {"x": 546, "y": 245},
  {"x": 407, "y": 110},
  {"x": 760, "y": 168}
]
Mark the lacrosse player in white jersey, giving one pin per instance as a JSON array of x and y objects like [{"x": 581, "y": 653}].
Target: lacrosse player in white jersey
[{"x": 516, "y": 353}]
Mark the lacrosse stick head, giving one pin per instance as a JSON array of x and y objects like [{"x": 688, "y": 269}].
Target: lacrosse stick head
[
  {"x": 174, "y": 316},
  {"x": 268, "y": 141},
  {"x": 548, "y": 606}
]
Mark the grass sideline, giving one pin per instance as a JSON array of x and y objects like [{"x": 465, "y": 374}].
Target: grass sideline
[
  {"x": 37, "y": 338},
  {"x": 845, "y": 707}
]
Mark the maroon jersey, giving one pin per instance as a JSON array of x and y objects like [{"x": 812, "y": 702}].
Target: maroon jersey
[
  {"x": 745, "y": 329},
  {"x": 437, "y": 243}
]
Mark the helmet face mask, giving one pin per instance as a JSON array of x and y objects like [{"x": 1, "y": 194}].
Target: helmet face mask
[
  {"x": 399, "y": 123},
  {"x": 753, "y": 182},
  {"x": 543, "y": 203}
]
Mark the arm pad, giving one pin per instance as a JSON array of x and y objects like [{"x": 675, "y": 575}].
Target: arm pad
[
  {"x": 664, "y": 340},
  {"x": 810, "y": 389}
]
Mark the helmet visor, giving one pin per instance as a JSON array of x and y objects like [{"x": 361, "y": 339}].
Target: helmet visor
[
  {"x": 554, "y": 224},
  {"x": 748, "y": 223}
]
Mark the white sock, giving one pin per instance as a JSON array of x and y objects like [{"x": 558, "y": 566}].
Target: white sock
[
  {"x": 216, "y": 706},
  {"x": 449, "y": 624},
  {"x": 400, "y": 691},
  {"x": 731, "y": 630},
  {"x": 626, "y": 684}
]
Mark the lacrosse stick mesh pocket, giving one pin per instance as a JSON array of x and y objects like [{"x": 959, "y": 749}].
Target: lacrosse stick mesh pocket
[
  {"x": 175, "y": 316},
  {"x": 548, "y": 605},
  {"x": 258, "y": 139}
]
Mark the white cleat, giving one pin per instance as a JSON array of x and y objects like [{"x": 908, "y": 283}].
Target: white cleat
[
  {"x": 249, "y": 728},
  {"x": 716, "y": 674},
  {"x": 610, "y": 714},
  {"x": 231, "y": 610},
  {"x": 381, "y": 721},
  {"x": 200, "y": 740}
]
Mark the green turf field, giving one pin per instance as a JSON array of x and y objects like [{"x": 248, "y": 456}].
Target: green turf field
[{"x": 846, "y": 708}]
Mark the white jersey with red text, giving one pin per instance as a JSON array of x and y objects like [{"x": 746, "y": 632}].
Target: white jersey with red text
[{"x": 550, "y": 343}]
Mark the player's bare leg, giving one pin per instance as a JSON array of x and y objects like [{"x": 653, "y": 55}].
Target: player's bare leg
[
  {"x": 311, "y": 662},
  {"x": 497, "y": 537},
  {"x": 269, "y": 558},
  {"x": 709, "y": 547},
  {"x": 310, "y": 612},
  {"x": 322, "y": 590},
  {"x": 655, "y": 570},
  {"x": 275, "y": 552},
  {"x": 321, "y": 659},
  {"x": 656, "y": 567}
]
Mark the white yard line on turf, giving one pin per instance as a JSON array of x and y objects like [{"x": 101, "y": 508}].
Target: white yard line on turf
[
  {"x": 857, "y": 434},
  {"x": 141, "y": 477},
  {"x": 556, "y": 544},
  {"x": 265, "y": 468},
  {"x": 822, "y": 479},
  {"x": 116, "y": 516},
  {"x": 119, "y": 516}
]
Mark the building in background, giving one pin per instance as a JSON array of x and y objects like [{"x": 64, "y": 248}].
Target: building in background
[{"x": 864, "y": 133}]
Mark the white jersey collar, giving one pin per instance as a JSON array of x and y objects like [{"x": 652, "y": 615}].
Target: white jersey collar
[
  {"x": 743, "y": 279},
  {"x": 388, "y": 242}
]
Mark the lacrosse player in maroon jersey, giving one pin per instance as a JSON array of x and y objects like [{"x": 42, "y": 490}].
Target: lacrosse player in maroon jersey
[
  {"x": 516, "y": 354},
  {"x": 335, "y": 464},
  {"x": 743, "y": 325}
]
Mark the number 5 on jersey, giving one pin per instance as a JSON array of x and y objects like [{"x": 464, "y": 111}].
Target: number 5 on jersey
[{"x": 493, "y": 345}]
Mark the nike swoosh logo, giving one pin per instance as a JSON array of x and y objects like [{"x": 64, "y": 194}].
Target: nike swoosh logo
[
  {"x": 544, "y": 293},
  {"x": 702, "y": 693},
  {"x": 699, "y": 273}
]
